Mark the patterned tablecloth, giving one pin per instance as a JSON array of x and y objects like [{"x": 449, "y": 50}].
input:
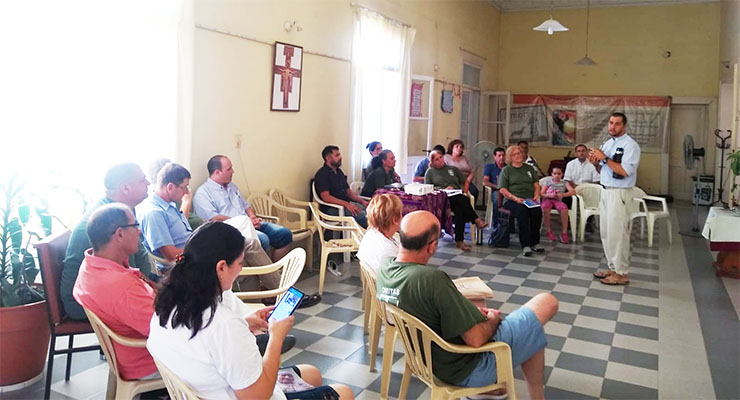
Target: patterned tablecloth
[{"x": 435, "y": 202}]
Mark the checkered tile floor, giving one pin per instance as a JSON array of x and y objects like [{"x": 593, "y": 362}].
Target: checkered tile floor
[{"x": 602, "y": 343}]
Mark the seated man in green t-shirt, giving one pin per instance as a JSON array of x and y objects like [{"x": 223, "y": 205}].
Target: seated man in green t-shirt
[
  {"x": 429, "y": 294},
  {"x": 449, "y": 177}
]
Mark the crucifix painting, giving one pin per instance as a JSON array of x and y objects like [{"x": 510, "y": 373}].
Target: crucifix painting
[{"x": 286, "y": 77}]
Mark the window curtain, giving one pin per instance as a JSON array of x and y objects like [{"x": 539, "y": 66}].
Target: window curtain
[{"x": 381, "y": 85}]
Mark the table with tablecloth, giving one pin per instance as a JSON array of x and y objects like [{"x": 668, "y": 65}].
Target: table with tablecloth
[
  {"x": 435, "y": 202},
  {"x": 722, "y": 229}
]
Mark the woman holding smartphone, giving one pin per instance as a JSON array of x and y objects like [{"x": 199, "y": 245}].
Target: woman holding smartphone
[{"x": 205, "y": 335}]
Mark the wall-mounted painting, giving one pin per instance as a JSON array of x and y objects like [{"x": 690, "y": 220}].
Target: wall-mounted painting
[{"x": 286, "y": 77}]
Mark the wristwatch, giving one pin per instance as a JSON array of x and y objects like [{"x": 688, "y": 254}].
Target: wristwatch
[{"x": 605, "y": 160}]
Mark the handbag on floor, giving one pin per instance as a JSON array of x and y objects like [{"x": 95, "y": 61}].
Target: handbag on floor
[{"x": 499, "y": 233}]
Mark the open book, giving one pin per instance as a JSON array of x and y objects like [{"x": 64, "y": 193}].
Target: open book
[{"x": 472, "y": 287}]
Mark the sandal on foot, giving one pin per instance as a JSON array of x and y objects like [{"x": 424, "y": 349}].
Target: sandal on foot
[
  {"x": 564, "y": 237},
  {"x": 551, "y": 236},
  {"x": 602, "y": 273},
  {"x": 615, "y": 279},
  {"x": 462, "y": 246}
]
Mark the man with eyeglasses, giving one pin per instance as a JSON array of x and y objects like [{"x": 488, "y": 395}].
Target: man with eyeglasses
[
  {"x": 121, "y": 296},
  {"x": 165, "y": 228},
  {"x": 429, "y": 294},
  {"x": 124, "y": 183}
]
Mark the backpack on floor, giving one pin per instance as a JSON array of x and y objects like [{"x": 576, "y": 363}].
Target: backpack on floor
[{"x": 499, "y": 233}]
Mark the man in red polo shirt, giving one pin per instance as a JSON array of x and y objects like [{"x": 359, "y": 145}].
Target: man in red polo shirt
[{"x": 119, "y": 295}]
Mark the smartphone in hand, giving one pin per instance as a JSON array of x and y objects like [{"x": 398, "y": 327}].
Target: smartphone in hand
[{"x": 287, "y": 305}]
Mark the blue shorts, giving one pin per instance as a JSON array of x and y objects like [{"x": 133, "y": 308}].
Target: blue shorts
[
  {"x": 523, "y": 333},
  {"x": 317, "y": 393}
]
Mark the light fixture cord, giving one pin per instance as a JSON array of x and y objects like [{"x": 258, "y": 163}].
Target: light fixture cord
[{"x": 588, "y": 7}]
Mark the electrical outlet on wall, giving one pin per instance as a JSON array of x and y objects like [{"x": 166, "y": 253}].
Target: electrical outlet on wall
[{"x": 238, "y": 141}]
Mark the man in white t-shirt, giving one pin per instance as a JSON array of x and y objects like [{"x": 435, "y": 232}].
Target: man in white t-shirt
[{"x": 580, "y": 169}]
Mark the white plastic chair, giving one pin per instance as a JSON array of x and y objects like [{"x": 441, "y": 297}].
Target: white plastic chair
[
  {"x": 329, "y": 246},
  {"x": 356, "y": 187},
  {"x": 118, "y": 387},
  {"x": 375, "y": 313},
  {"x": 650, "y": 216},
  {"x": 292, "y": 266},
  {"x": 340, "y": 211},
  {"x": 589, "y": 196},
  {"x": 264, "y": 205},
  {"x": 417, "y": 341},
  {"x": 177, "y": 389}
]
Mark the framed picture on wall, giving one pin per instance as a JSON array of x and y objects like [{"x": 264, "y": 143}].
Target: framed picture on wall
[{"x": 287, "y": 74}]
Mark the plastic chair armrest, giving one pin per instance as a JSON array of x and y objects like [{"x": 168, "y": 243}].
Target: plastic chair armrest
[
  {"x": 261, "y": 270},
  {"x": 269, "y": 218},
  {"x": 662, "y": 201},
  {"x": 291, "y": 210}
]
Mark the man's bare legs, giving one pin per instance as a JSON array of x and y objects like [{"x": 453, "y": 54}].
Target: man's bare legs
[{"x": 544, "y": 306}]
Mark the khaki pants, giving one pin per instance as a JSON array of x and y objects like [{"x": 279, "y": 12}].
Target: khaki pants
[
  {"x": 255, "y": 256},
  {"x": 614, "y": 219}
]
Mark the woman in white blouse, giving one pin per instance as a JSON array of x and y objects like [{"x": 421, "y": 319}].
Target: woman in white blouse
[
  {"x": 204, "y": 334},
  {"x": 384, "y": 215}
]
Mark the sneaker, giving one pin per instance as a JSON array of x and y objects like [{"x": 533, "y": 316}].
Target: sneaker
[
  {"x": 564, "y": 237},
  {"x": 537, "y": 249},
  {"x": 551, "y": 236},
  {"x": 527, "y": 251},
  {"x": 333, "y": 268}
]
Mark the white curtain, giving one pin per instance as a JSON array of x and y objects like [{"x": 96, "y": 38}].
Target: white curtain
[{"x": 381, "y": 85}]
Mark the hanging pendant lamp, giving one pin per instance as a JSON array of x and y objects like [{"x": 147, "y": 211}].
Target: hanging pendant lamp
[
  {"x": 550, "y": 25},
  {"x": 586, "y": 60}
]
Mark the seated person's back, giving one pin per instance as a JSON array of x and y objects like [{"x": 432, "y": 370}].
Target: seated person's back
[{"x": 384, "y": 218}]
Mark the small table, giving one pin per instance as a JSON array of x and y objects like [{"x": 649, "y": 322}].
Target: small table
[
  {"x": 723, "y": 233},
  {"x": 435, "y": 202}
]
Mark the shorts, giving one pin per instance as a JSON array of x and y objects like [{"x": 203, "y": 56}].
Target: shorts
[
  {"x": 523, "y": 333},
  {"x": 317, "y": 393},
  {"x": 556, "y": 204}
]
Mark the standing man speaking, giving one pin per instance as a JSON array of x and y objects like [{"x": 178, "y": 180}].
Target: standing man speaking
[{"x": 617, "y": 163}]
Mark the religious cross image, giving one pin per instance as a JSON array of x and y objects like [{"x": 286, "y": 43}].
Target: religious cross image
[{"x": 286, "y": 77}]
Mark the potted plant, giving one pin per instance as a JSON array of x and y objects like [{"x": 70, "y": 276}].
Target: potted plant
[
  {"x": 734, "y": 159},
  {"x": 24, "y": 331}
]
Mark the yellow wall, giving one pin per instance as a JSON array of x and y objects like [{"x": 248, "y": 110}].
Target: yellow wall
[
  {"x": 282, "y": 149},
  {"x": 628, "y": 44}
]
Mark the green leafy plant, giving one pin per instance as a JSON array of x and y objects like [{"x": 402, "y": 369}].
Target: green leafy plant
[
  {"x": 734, "y": 159},
  {"x": 23, "y": 218}
]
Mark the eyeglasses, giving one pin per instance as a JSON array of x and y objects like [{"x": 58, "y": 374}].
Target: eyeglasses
[
  {"x": 134, "y": 225},
  {"x": 186, "y": 187}
]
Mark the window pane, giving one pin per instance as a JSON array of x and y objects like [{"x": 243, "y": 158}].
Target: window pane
[{"x": 471, "y": 75}]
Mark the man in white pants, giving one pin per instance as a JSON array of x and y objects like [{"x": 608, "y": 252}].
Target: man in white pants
[{"x": 617, "y": 163}]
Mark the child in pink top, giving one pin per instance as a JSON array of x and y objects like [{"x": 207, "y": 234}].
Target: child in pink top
[{"x": 554, "y": 189}]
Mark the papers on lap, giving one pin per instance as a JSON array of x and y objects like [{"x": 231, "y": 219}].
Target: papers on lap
[
  {"x": 452, "y": 192},
  {"x": 531, "y": 203},
  {"x": 290, "y": 382},
  {"x": 244, "y": 224},
  {"x": 473, "y": 287}
]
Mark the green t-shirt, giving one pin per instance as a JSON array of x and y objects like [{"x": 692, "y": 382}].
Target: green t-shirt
[
  {"x": 445, "y": 177},
  {"x": 429, "y": 294},
  {"x": 519, "y": 181}
]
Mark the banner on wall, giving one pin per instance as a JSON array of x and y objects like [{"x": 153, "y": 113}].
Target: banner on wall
[{"x": 568, "y": 120}]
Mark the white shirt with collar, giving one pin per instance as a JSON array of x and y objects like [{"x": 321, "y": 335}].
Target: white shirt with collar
[
  {"x": 630, "y": 161},
  {"x": 579, "y": 172},
  {"x": 213, "y": 199}
]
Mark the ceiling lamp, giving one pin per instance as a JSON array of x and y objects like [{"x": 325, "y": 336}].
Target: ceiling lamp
[
  {"x": 586, "y": 60},
  {"x": 550, "y": 25}
]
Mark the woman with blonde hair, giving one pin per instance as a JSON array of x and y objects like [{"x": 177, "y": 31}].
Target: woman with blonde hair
[
  {"x": 517, "y": 183},
  {"x": 384, "y": 215}
]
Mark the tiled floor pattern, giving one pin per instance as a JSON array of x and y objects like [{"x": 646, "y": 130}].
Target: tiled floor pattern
[{"x": 603, "y": 343}]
